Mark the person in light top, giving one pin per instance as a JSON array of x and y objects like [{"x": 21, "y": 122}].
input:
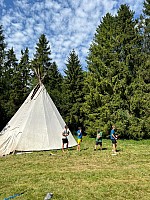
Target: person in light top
[
  {"x": 98, "y": 140},
  {"x": 65, "y": 134}
]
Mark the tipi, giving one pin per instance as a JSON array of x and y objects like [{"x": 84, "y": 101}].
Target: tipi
[{"x": 36, "y": 126}]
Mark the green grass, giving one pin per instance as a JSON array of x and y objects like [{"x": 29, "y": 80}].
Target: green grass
[{"x": 85, "y": 175}]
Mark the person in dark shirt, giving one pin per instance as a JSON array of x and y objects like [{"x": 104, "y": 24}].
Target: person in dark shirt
[{"x": 113, "y": 139}]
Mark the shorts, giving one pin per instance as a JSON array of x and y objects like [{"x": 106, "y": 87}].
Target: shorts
[
  {"x": 114, "y": 141},
  {"x": 79, "y": 141},
  {"x": 65, "y": 140},
  {"x": 98, "y": 143}
]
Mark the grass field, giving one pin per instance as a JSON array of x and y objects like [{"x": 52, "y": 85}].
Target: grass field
[{"x": 85, "y": 175}]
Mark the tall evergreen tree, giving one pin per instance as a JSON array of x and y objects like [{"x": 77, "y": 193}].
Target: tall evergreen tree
[
  {"x": 131, "y": 43},
  {"x": 139, "y": 102},
  {"x": 2, "y": 51},
  {"x": 101, "y": 67},
  {"x": 139, "y": 125},
  {"x": 42, "y": 61},
  {"x": 24, "y": 76},
  {"x": 146, "y": 12},
  {"x": 2, "y": 77},
  {"x": 112, "y": 62},
  {"x": 53, "y": 82},
  {"x": 73, "y": 91},
  {"x": 11, "y": 97},
  {"x": 46, "y": 70}
]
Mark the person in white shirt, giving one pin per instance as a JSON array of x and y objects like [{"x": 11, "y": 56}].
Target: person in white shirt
[{"x": 65, "y": 134}]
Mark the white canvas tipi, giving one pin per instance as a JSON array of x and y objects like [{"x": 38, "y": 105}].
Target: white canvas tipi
[{"x": 36, "y": 126}]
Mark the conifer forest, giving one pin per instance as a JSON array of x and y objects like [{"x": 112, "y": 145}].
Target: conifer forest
[{"x": 114, "y": 88}]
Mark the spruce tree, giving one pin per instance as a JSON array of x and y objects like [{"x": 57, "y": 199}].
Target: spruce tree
[
  {"x": 2, "y": 77},
  {"x": 139, "y": 102},
  {"x": 53, "y": 82},
  {"x": 42, "y": 60},
  {"x": 24, "y": 75},
  {"x": 11, "y": 97},
  {"x": 130, "y": 43},
  {"x": 101, "y": 68},
  {"x": 46, "y": 71},
  {"x": 140, "y": 88},
  {"x": 2, "y": 52},
  {"x": 146, "y": 11},
  {"x": 73, "y": 91},
  {"x": 113, "y": 60}
]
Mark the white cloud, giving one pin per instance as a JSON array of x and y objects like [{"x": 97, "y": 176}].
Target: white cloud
[
  {"x": 67, "y": 24},
  {"x": 1, "y": 2}
]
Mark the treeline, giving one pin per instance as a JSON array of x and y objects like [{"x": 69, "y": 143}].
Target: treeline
[{"x": 115, "y": 88}]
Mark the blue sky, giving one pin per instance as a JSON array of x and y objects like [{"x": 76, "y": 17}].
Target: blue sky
[{"x": 67, "y": 24}]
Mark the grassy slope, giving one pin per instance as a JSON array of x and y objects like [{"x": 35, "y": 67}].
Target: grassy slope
[{"x": 80, "y": 175}]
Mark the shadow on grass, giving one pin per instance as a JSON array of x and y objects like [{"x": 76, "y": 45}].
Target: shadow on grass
[
  {"x": 85, "y": 149},
  {"x": 118, "y": 150},
  {"x": 104, "y": 149}
]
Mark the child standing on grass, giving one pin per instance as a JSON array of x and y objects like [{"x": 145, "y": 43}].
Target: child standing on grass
[
  {"x": 113, "y": 139},
  {"x": 65, "y": 135},
  {"x": 98, "y": 140},
  {"x": 79, "y": 137}
]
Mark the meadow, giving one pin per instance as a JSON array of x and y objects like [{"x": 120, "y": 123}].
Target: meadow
[{"x": 84, "y": 175}]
